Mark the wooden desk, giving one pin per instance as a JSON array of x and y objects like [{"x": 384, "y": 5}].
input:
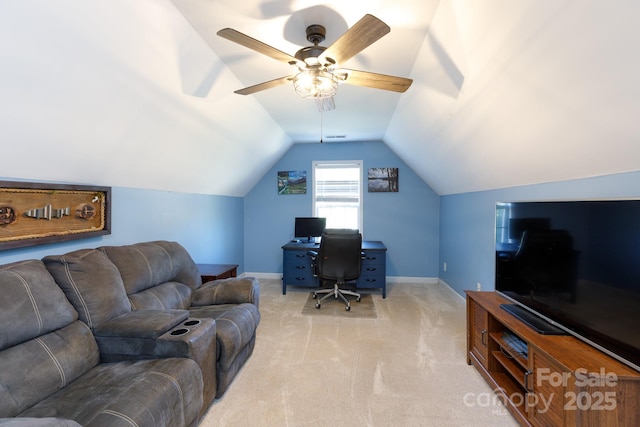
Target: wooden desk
[
  {"x": 297, "y": 266},
  {"x": 210, "y": 272}
]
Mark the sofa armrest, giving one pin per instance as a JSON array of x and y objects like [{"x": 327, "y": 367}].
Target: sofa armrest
[
  {"x": 141, "y": 323},
  {"x": 38, "y": 422},
  {"x": 234, "y": 290},
  {"x": 135, "y": 335}
]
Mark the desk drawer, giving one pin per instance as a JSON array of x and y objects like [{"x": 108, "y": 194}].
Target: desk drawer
[
  {"x": 373, "y": 270},
  {"x": 297, "y": 269},
  {"x": 370, "y": 282},
  {"x": 372, "y": 277},
  {"x": 373, "y": 258}
]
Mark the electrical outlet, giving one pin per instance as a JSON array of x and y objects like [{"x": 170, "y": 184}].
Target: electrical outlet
[
  {"x": 444, "y": 266},
  {"x": 478, "y": 286}
]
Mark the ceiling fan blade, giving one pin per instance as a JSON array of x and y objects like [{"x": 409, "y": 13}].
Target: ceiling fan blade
[
  {"x": 257, "y": 45},
  {"x": 364, "y": 33},
  {"x": 264, "y": 86},
  {"x": 374, "y": 80}
]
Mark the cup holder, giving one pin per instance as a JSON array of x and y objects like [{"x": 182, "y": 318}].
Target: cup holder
[
  {"x": 191, "y": 322},
  {"x": 180, "y": 331}
]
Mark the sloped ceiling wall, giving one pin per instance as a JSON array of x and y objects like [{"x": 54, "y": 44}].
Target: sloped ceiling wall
[
  {"x": 550, "y": 91},
  {"x": 505, "y": 93},
  {"x": 124, "y": 93}
]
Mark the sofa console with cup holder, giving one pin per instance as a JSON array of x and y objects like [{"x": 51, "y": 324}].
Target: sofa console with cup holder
[
  {"x": 141, "y": 307},
  {"x": 52, "y": 374},
  {"x": 150, "y": 334},
  {"x": 122, "y": 292}
]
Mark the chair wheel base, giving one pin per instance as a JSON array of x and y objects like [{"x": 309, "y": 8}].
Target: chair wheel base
[{"x": 336, "y": 293}]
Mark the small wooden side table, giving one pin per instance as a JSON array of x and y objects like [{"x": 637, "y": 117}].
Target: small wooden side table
[{"x": 209, "y": 272}]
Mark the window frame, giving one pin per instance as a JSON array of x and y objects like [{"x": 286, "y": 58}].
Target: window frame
[{"x": 334, "y": 164}]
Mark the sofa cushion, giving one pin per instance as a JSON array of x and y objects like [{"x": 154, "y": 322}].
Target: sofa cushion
[
  {"x": 92, "y": 283},
  {"x": 31, "y": 304},
  {"x": 169, "y": 295},
  {"x": 236, "y": 326},
  {"x": 145, "y": 393},
  {"x": 147, "y": 264},
  {"x": 184, "y": 267},
  {"x": 141, "y": 265},
  {"x": 35, "y": 369}
]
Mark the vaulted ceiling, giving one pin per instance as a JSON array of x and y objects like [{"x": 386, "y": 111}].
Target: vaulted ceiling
[{"x": 140, "y": 93}]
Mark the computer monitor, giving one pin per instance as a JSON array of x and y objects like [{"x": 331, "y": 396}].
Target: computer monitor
[{"x": 309, "y": 227}]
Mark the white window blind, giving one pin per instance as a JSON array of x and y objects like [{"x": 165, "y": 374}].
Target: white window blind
[{"x": 337, "y": 193}]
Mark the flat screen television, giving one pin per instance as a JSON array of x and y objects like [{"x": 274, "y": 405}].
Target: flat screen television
[
  {"x": 309, "y": 227},
  {"x": 576, "y": 265}
]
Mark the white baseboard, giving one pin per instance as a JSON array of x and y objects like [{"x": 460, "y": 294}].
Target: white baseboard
[
  {"x": 446, "y": 285},
  {"x": 418, "y": 280},
  {"x": 390, "y": 279},
  {"x": 276, "y": 276}
]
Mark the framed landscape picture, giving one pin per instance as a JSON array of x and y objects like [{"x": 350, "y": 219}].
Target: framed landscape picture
[
  {"x": 34, "y": 213},
  {"x": 382, "y": 180},
  {"x": 292, "y": 182}
]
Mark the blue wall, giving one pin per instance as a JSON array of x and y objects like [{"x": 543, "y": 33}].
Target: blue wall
[
  {"x": 209, "y": 227},
  {"x": 467, "y": 222},
  {"x": 407, "y": 221},
  {"x": 421, "y": 230}
]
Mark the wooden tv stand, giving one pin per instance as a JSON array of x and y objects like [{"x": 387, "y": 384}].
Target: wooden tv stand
[{"x": 560, "y": 381}]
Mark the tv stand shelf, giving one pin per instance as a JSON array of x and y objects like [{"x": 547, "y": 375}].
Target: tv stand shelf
[
  {"x": 561, "y": 381},
  {"x": 513, "y": 363}
]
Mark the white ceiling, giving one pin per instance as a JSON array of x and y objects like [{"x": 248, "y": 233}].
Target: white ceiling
[
  {"x": 361, "y": 113},
  {"x": 140, "y": 93}
]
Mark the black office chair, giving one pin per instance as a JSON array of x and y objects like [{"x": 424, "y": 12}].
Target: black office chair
[{"x": 337, "y": 261}]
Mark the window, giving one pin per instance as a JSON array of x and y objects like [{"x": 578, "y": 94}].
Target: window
[
  {"x": 337, "y": 193},
  {"x": 503, "y": 214}
]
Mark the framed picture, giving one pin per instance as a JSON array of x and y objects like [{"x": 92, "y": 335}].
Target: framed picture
[
  {"x": 382, "y": 180},
  {"x": 292, "y": 182},
  {"x": 35, "y": 213}
]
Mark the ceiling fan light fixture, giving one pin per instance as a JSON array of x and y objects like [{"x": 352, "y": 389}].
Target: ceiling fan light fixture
[
  {"x": 315, "y": 83},
  {"x": 325, "y": 104},
  {"x": 318, "y": 73}
]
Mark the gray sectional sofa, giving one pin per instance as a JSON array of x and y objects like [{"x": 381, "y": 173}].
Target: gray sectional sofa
[{"x": 119, "y": 335}]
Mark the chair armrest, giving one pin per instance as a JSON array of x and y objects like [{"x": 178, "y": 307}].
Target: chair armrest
[{"x": 234, "y": 290}]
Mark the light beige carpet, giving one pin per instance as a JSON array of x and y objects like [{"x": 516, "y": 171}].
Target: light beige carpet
[
  {"x": 365, "y": 309},
  {"x": 407, "y": 367}
]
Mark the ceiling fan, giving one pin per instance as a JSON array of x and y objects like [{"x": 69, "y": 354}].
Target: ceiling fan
[{"x": 318, "y": 68}]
